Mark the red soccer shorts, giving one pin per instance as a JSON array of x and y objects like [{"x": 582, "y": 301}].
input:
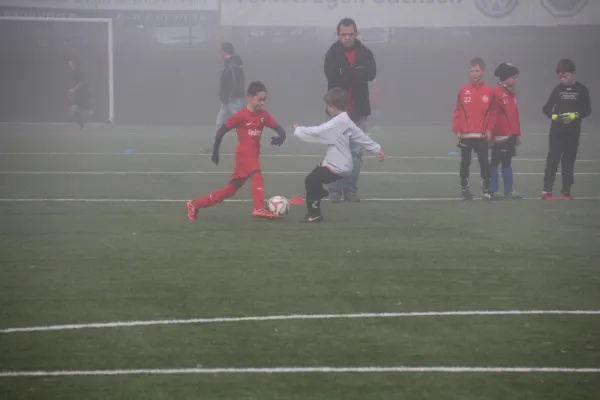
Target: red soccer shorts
[{"x": 243, "y": 168}]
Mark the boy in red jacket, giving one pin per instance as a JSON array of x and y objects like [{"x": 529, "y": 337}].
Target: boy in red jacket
[
  {"x": 506, "y": 131},
  {"x": 471, "y": 126}
]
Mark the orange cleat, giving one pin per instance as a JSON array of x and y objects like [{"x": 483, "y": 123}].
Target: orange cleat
[
  {"x": 264, "y": 213},
  {"x": 191, "y": 210},
  {"x": 547, "y": 196}
]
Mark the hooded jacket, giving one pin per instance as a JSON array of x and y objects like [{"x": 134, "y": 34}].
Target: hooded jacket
[{"x": 232, "y": 80}]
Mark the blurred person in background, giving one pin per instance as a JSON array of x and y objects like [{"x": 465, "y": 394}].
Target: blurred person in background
[
  {"x": 80, "y": 98},
  {"x": 232, "y": 90},
  {"x": 350, "y": 65}
]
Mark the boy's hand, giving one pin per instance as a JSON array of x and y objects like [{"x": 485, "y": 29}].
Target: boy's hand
[
  {"x": 380, "y": 156},
  {"x": 277, "y": 140},
  {"x": 567, "y": 118},
  {"x": 518, "y": 141}
]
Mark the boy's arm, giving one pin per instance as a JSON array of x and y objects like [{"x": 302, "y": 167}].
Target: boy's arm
[
  {"x": 231, "y": 123},
  {"x": 358, "y": 136},
  {"x": 492, "y": 116},
  {"x": 316, "y": 134},
  {"x": 271, "y": 123},
  {"x": 585, "y": 104},
  {"x": 549, "y": 106},
  {"x": 456, "y": 117}
]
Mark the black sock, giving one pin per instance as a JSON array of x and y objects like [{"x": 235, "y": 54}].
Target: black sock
[{"x": 314, "y": 207}]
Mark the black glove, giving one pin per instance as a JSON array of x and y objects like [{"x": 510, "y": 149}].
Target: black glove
[
  {"x": 215, "y": 156},
  {"x": 277, "y": 140}
]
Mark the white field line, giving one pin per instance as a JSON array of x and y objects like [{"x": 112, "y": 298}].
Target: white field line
[
  {"x": 176, "y": 154},
  {"x": 399, "y": 199},
  {"x": 296, "y": 317},
  {"x": 229, "y": 173},
  {"x": 297, "y": 370}
]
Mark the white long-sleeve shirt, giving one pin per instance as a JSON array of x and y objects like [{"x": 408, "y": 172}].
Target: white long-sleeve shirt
[{"x": 337, "y": 133}]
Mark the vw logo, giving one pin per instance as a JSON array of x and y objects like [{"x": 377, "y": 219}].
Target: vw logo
[
  {"x": 564, "y": 8},
  {"x": 497, "y": 8}
]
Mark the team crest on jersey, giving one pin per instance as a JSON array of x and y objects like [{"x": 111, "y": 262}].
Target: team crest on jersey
[
  {"x": 468, "y": 92},
  {"x": 497, "y": 8},
  {"x": 485, "y": 98}
]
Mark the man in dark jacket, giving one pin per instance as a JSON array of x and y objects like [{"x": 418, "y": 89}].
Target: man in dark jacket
[
  {"x": 351, "y": 66},
  {"x": 232, "y": 90}
]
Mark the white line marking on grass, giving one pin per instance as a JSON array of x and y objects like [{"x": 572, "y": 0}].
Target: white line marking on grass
[
  {"x": 183, "y": 154},
  {"x": 229, "y": 173},
  {"x": 298, "y": 370},
  {"x": 400, "y": 199},
  {"x": 295, "y": 317}
]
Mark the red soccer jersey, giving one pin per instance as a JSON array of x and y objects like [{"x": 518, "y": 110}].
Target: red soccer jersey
[
  {"x": 505, "y": 114},
  {"x": 472, "y": 111},
  {"x": 249, "y": 126}
]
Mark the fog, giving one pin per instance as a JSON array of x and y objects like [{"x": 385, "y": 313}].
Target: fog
[{"x": 170, "y": 75}]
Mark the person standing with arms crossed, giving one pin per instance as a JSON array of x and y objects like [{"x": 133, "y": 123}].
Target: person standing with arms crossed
[{"x": 350, "y": 65}]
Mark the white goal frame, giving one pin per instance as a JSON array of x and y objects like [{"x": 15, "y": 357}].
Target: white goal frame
[{"x": 109, "y": 22}]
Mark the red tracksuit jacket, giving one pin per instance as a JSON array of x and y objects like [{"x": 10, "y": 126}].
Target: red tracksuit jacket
[
  {"x": 472, "y": 112},
  {"x": 505, "y": 115}
]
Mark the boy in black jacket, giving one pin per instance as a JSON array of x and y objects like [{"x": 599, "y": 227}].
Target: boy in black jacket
[{"x": 568, "y": 104}]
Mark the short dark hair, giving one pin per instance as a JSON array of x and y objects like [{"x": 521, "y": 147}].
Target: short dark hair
[
  {"x": 565, "y": 65},
  {"x": 227, "y": 48},
  {"x": 347, "y": 22},
  {"x": 336, "y": 97},
  {"x": 256, "y": 87},
  {"x": 477, "y": 61}
]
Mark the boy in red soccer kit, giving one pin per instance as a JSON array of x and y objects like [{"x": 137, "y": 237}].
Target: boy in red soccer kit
[
  {"x": 471, "y": 125},
  {"x": 506, "y": 130},
  {"x": 249, "y": 123}
]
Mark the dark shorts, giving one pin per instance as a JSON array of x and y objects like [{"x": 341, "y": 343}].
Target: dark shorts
[{"x": 508, "y": 148}]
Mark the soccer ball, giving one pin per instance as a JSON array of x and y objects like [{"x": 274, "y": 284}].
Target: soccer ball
[{"x": 278, "y": 205}]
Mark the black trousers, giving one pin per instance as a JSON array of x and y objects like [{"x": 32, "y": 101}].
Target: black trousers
[
  {"x": 562, "y": 148},
  {"x": 480, "y": 146},
  {"x": 502, "y": 153},
  {"x": 314, "y": 188}
]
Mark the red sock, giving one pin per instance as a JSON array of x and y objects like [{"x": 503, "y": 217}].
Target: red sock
[
  {"x": 258, "y": 191},
  {"x": 215, "y": 197}
]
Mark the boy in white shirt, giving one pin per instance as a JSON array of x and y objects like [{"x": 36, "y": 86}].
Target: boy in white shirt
[{"x": 337, "y": 133}]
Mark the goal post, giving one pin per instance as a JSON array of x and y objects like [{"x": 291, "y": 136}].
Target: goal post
[{"x": 109, "y": 39}]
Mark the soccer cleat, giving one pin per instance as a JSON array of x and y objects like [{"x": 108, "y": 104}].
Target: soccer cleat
[
  {"x": 513, "y": 195},
  {"x": 264, "y": 213},
  {"x": 547, "y": 196},
  {"x": 312, "y": 219},
  {"x": 466, "y": 194},
  {"x": 191, "y": 210},
  {"x": 567, "y": 196},
  {"x": 351, "y": 198}
]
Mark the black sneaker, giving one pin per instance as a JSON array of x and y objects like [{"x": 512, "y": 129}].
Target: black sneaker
[
  {"x": 311, "y": 219},
  {"x": 466, "y": 194}
]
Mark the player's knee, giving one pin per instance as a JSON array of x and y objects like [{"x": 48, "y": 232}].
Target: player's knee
[{"x": 230, "y": 190}]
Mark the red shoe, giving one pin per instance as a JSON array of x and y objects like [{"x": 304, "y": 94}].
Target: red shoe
[
  {"x": 191, "y": 210},
  {"x": 567, "y": 196},
  {"x": 547, "y": 196},
  {"x": 263, "y": 213}
]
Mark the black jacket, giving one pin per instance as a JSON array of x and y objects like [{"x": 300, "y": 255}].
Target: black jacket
[
  {"x": 232, "y": 80},
  {"x": 340, "y": 74},
  {"x": 565, "y": 99}
]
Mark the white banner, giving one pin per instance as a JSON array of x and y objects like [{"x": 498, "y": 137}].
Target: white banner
[
  {"x": 136, "y": 5},
  {"x": 410, "y": 13}
]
